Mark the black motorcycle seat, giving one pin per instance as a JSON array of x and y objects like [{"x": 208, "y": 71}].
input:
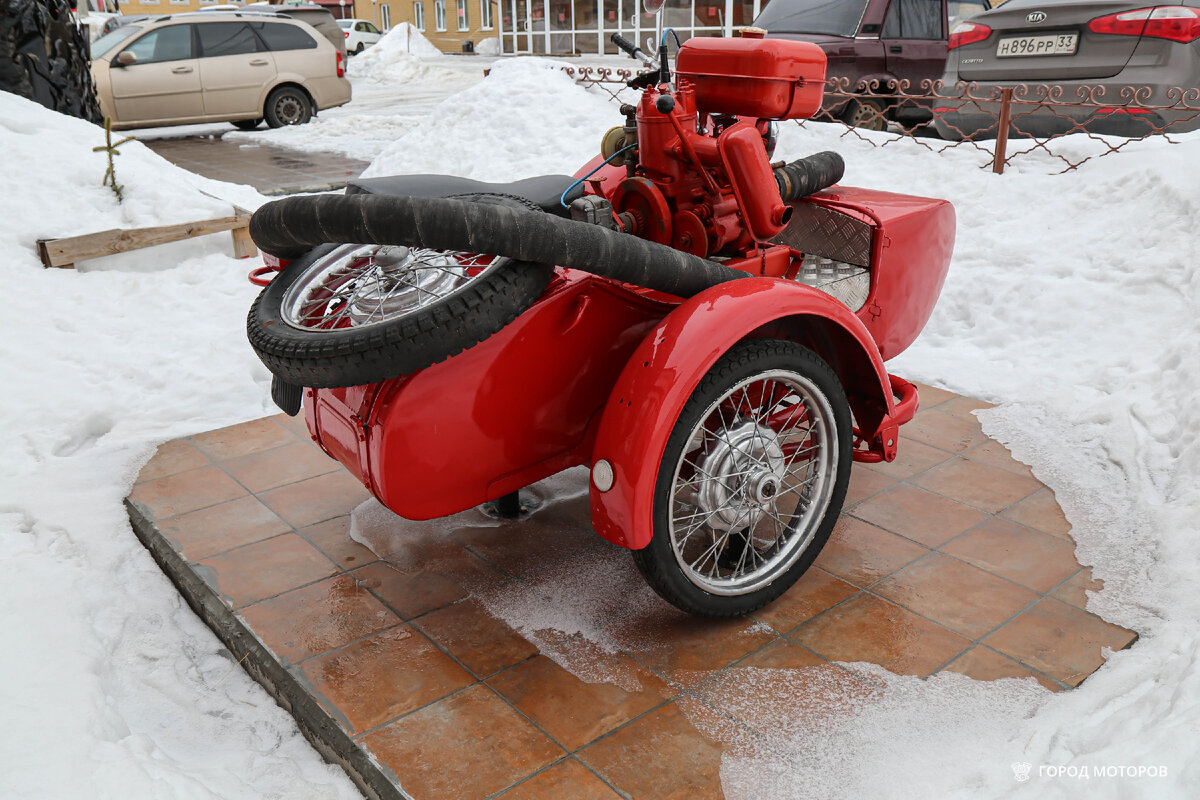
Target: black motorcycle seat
[{"x": 544, "y": 190}]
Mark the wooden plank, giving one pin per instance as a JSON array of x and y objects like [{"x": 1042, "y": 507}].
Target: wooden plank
[{"x": 65, "y": 252}]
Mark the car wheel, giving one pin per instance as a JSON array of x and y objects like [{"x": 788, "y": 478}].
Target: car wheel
[
  {"x": 288, "y": 105},
  {"x": 751, "y": 482},
  {"x": 247, "y": 124},
  {"x": 360, "y": 48},
  {"x": 866, "y": 113}
]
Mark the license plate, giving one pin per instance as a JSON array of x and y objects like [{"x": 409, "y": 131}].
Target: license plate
[{"x": 1059, "y": 44}]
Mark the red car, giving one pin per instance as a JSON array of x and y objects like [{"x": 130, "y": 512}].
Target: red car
[{"x": 873, "y": 46}]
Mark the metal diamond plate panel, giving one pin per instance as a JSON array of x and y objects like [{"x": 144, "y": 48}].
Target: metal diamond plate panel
[
  {"x": 825, "y": 232},
  {"x": 844, "y": 282}
]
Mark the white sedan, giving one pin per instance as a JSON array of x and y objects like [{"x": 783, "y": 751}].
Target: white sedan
[{"x": 360, "y": 34}]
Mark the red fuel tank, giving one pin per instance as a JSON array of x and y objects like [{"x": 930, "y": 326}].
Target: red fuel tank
[{"x": 749, "y": 77}]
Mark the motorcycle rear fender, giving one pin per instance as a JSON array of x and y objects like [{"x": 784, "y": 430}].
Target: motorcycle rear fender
[{"x": 671, "y": 360}]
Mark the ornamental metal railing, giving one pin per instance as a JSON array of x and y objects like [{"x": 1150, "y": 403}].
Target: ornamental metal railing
[{"x": 1006, "y": 123}]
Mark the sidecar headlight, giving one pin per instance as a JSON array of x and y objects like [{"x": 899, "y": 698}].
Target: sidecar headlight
[{"x": 602, "y": 475}]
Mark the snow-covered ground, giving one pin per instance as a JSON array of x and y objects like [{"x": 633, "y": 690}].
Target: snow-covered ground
[{"x": 1073, "y": 302}]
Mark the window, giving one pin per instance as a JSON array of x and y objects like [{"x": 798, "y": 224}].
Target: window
[
  {"x": 149, "y": 2},
  {"x": 369, "y": 28},
  {"x": 227, "y": 39},
  {"x": 439, "y": 14},
  {"x": 385, "y": 16},
  {"x": 281, "y": 36},
  {"x": 419, "y": 15},
  {"x": 463, "y": 23},
  {"x": 179, "y": 2},
  {"x": 913, "y": 19},
  {"x": 485, "y": 14},
  {"x": 173, "y": 43},
  {"x": 958, "y": 10}
]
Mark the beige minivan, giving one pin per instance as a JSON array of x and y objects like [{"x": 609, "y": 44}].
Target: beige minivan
[{"x": 213, "y": 67}]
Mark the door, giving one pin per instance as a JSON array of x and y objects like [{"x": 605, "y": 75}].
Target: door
[
  {"x": 914, "y": 41},
  {"x": 235, "y": 69},
  {"x": 520, "y": 25},
  {"x": 164, "y": 84}
]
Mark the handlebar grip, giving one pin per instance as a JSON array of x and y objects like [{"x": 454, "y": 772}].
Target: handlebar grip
[
  {"x": 809, "y": 175},
  {"x": 626, "y": 45}
]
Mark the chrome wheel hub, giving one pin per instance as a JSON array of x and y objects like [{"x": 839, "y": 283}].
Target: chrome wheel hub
[{"x": 740, "y": 478}]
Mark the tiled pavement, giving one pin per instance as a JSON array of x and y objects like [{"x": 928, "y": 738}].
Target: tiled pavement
[
  {"x": 951, "y": 558},
  {"x": 271, "y": 170}
]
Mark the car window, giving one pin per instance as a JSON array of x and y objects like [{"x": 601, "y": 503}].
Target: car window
[
  {"x": 812, "y": 16},
  {"x": 361, "y": 27},
  {"x": 172, "y": 43},
  {"x": 958, "y": 10},
  {"x": 281, "y": 36},
  {"x": 226, "y": 39},
  {"x": 371, "y": 28},
  {"x": 913, "y": 19},
  {"x": 345, "y": 24},
  {"x": 113, "y": 38}
]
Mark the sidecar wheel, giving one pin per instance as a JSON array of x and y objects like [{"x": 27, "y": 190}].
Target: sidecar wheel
[
  {"x": 751, "y": 482},
  {"x": 354, "y": 314}
]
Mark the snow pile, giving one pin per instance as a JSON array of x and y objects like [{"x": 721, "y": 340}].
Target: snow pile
[
  {"x": 402, "y": 39},
  {"x": 488, "y": 47},
  {"x": 528, "y": 117},
  {"x": 111, "y": 686}
]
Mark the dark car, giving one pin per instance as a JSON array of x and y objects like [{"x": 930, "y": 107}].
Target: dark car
[
  {"x": 1092, "y": 52},
  {"x": 874, "y": 45}
]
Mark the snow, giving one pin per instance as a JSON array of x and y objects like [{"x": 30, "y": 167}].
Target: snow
[
  {"x": 110, "y": 684},
  {"x": 1073, "y": 302}
]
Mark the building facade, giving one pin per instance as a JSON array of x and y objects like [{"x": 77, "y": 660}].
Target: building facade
[{"x": 554, "y": 27}]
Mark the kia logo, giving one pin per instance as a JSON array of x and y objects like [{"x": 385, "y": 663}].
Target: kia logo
[{"x": 1036, "y": 16}]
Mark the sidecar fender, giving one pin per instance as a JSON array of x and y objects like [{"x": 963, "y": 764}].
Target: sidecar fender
[{"x": 666, "y": 367}]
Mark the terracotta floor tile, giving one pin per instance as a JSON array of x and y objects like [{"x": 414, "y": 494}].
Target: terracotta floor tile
[
  {"x": 869, "y": 628},
  {"x": 297, "y": 425},
  {"x": 931, "y": 396},
  {"x": 212, "y": 530},
  {"x": 314, "y": 619},
  {"x": 780, "y": 654},
  {"x": 448, "y": 560},
  {"x": 659, "y": 757},
  {"x": 1015, "y": 552},
  {"x": 171, "y": 457},
  {"x": 961, "y": 597},
  {"x": 186, "y": 491},
  {"x": 686, "y": 648},
  {"x": 268, "y": 469},
  {"x": 1059, "y": 640},
  {"x": 572, "y": 711},
  {"x": 963, "y": 406},
  {"x": 816, "y": 591},
  {"x": 515, "y": 549},
  {"x": 1040, "y": 511},
  {"x": 409, "y": 594},
  {"x": 912, "y": 457},
  {"x": 383, "y": 677},
  {"x": 864, "y": 483},
  {"x": 476, "y": 638},
  {"x": 466, "y": 746},
  {"x": 332, "y": 537},
  {"x": 264, "y": 569},
  {"x": 919, "y": 515},
  {"x": 316, "y": 499},
  {"x": 984, "y": 664},
  {"x": 997, "y": 455},
  {"x": 977, "y": 484},
  {"x": 1074, "y": 591},
  {"x": 944, "y": 431},
  {"x": 249, "y": 437},
  {"x": 566, "y": 780},
  {"x": 862, "y": 553}
]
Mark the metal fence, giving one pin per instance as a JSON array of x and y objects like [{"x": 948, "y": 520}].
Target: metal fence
[{"x": 1005, "y": 123}]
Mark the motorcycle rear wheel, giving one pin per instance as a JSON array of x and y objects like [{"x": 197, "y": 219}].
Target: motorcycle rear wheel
[{"x": 751, "y": 482}]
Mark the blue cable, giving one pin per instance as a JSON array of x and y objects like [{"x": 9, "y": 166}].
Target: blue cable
[
  {"x": 562, "y": 201},
  {"x": 673, "y": 33}
]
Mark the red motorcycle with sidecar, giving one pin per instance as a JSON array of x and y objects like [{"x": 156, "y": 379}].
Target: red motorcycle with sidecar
[{"x": 704, "y": 329}]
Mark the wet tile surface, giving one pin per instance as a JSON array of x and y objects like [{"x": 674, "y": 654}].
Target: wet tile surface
[{"x": 951, "y": 558}]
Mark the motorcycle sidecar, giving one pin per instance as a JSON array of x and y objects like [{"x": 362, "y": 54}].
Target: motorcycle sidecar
[{"x": 718, "y": 429}]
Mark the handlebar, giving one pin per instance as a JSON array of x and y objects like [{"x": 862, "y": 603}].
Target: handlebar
[{"x": 633, "y": 50}]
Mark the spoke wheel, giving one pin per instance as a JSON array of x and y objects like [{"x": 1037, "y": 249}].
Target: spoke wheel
[
  {"x": 752, "y": 480},
  {"x": 348, "y": 315}
]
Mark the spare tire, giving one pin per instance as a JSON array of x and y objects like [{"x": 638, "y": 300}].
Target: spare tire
[
  {"x": 44, "y": 56},
  {"x": 352, "y": 314}
]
